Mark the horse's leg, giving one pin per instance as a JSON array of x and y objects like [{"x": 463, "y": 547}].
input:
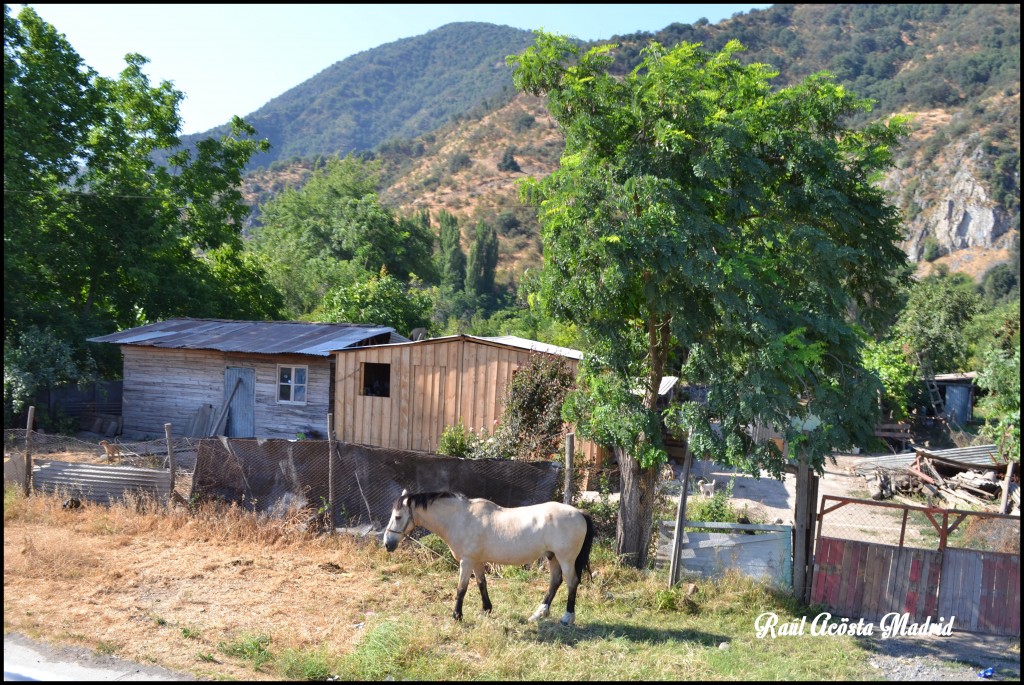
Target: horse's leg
[
  {"x": 572, "y": 581},
  {"x": 465, "y": 570},
  {"x": 481, "y": 582},
  {"x": 556, "y": 579}
]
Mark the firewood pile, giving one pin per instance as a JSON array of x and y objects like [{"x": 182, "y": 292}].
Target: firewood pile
[{"x": 944, "y": 482}]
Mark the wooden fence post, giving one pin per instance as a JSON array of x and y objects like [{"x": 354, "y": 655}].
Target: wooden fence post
[
  {"x": 570, "y": 451},
  {"x": 804, "y": 527},
  {"x": 330, "y": 469},
  {"x": 170, "y": 462},
  {"x": 1004, "y": 502},
  {"x": 28, "y": 450},
  {"x": 674, "y": 566}
]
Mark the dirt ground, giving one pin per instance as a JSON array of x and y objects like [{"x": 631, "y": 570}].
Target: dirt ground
[{"x": 768, "y": 500}]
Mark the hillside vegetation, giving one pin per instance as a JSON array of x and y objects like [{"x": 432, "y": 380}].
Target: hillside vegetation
[{"x": 955, "y": 68}]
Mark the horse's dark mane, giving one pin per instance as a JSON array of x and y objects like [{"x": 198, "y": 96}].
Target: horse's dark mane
[{"x": 423, "y": 500}]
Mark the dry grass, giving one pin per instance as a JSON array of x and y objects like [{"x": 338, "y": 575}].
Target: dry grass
[
  {"x": 223, "y": 594},
  {"x": 141, "y": 578}
]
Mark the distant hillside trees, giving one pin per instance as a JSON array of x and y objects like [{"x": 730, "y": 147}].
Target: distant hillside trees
[
  {"x": 508, "y": 161},
  {"x": 451, "y": 256},
  {"x": 322, "y": 235},
  {"x": 482, "y": 263}
]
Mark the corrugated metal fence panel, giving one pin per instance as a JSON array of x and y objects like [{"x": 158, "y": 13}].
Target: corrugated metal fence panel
[
  {"x": 99, "y": 483},
  {"x": 767, "y": 555}
]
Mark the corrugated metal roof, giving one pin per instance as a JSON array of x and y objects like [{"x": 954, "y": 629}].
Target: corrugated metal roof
[
  {"x": 526, "y": 344},
  {"x": 258, "y": 337},
  {"x": 975, "y": 454},
  {"x": 978, "y": 455}
]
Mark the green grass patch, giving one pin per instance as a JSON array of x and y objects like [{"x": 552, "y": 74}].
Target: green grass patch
[
  {"x": 254, "y": 649},
  {"x": 630, "y": 626},
  {"x": 301, "y": 665}
]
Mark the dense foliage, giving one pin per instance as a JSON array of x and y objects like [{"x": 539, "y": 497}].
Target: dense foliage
[
  {"x": 703, "y": 218},
  {"x": 382, "y": 300},
  {"x": 334, "y": 231},
  {"x": 934, "y": 319},
  {"x": 531, "y": 425},
  {"x": 97, "y": 236}
]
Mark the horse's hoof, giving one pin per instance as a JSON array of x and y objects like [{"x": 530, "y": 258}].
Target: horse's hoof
[
  {"x": 457, "y": 616},
  {"x": 568, "y": 619},
  {"x": 542, "y": 612}
]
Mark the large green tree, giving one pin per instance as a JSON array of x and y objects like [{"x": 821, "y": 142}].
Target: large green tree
[
  {"x": 450, "y": 256},
  {"x": 700, "y": 215},
  {"x": 938, "y": 310},
  {"x": 97, "y": 235},
  {"x": 312, "y": 236},
  {"x": 482, "y": 263},
  {"x": 378, "y": 299}
]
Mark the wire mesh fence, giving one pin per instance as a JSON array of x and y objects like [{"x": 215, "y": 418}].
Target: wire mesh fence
[
  {"x": 904, "y": 525},
  {"x": 278, "y": 477},
  {"x": 275, "y": 476},
  {"x": 150, "y": 453}
]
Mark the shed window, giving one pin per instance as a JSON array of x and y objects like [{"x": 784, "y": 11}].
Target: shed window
[
  {"x": 376, "y": 379},
  {"x": 291, "y": 384}
]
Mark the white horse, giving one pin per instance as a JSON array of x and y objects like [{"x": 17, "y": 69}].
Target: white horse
[{"x": 479, "y": 531}]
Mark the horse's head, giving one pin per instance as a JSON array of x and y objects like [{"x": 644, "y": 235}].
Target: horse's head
[{"x": 401, "y": 523}]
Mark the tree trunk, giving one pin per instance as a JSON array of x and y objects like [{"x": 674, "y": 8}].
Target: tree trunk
[{"x": 637, "y": 495}]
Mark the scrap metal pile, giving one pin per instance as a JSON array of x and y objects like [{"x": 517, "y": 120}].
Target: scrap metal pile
[{"x": 969, "y": 477}]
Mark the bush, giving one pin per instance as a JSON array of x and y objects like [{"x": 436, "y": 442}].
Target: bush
[
  {"x": 930, "y": 250},
  {"x": 531, "y": 425},
  {"x": 508, "y": 161},
  {"x": 458, "y": 161},
  {"x": 524, "y": 122},
  {"x": 456, "y": 441},
  {"x": 714, "y": 509}
]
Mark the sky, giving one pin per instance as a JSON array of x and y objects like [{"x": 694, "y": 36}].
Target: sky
[{"x": 232, "y": 59}]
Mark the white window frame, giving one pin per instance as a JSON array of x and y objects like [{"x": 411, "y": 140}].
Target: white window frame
[{"x": 292, "y": 384}]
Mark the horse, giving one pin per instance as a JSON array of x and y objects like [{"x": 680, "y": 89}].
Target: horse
[{"x": 478, "y": 531}]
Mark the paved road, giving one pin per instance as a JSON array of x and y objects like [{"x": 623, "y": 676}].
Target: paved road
[{"x": 26, "y": 659}]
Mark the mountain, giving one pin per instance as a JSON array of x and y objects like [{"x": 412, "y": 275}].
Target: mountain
[
  {"x": 441, "y": 111},
  {"x": 399, "y": 90}
]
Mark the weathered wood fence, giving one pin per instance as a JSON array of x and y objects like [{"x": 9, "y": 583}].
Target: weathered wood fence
[{"x": 979, "y": 589}]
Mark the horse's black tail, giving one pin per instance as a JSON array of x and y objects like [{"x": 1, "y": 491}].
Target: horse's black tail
[{"x": 583, "y": 558}]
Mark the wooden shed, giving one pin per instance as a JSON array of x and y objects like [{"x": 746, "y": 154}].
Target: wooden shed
[
  {"x": 403, "y": 396},
  {"x": 268, "y": 379}
]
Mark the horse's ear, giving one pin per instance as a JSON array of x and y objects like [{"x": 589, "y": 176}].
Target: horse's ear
[{"x": 404, "y": 492}]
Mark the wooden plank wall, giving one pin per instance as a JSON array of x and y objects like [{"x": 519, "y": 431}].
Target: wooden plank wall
[
  {"x": 868, "y": 580},
  {"x": 434, "y": 384},
  {"x": 169, "y": 386},
  {"x": 982, "y": 589}
]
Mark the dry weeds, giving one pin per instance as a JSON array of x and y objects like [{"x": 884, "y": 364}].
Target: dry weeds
[{"x": 169, "y": 587}]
